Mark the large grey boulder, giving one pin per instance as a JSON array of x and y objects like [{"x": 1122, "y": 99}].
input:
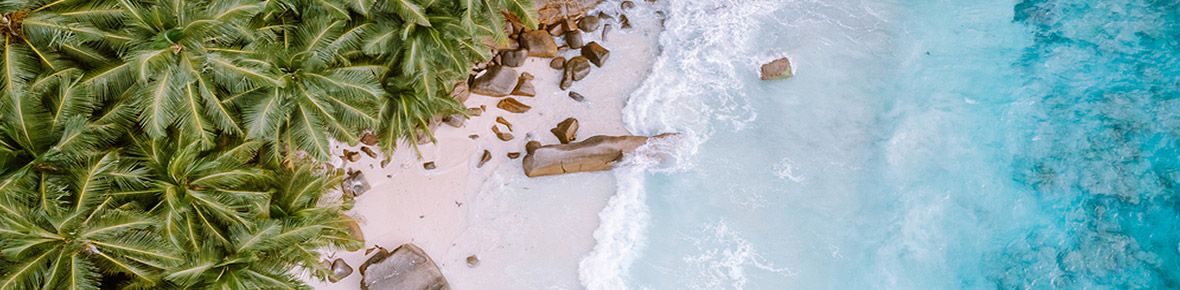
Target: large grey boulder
[
  {"x": 406, "y": 268},
  {"x": 593, "y": 154},
  {"x": 498, "y": 81}
]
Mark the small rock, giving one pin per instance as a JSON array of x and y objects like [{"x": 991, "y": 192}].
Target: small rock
[
  {"x": 487, "y": 156},
  {"x": 473, "y": 137},
  {"x": 574, "y": 39},
  {"x": 539, "y": 43},
  {"x": 606, "y": 29},
  {"x": 352, "y": 156},
  {"x": 576, "y": 96},
  {"x": 624, "y": 22},
  {"x": 340, "y": 270},
  {"x": 578, "y": 67},
  {"x": 532, "y": 145},
  {"x": 524, "y": 87},
  {"x": 569, "y": 25},
  {"x": 497, "y": 81},
  {"x": 566, "y": 131},
  {"x": 475, "y": 112},
  {"x": 369, "y": 152},
  {"x": 513, "y": 58},
  {"x": 455, "y": 120},
  {"x": 513, "y": 155},
  {"x": 428, "y": 165},
  {"x": 459, "y": 92},
  {"x": 371, "y": 139},
  {"x": 472, "y": 261},
  {"x": 588, "y": 23},
  {"x": 596, "y": 53},
  {"x": 777, "y": 70},
  {"x": 627, "y": 5},
  {"x": 502, "y": 135},
  {"x": 603, "y": 16},
  {"x": 526, "y": 76},
  {"x": 384, "y": 163},
  {"x": 501, "y": 120},
  {"x": 557, "y": 63},
  {"x": 567, "y": 79},
  {"x": 355, "y": 184},
  {"x": 555, "y": 29},
  {"x": 513, "y": 106}
]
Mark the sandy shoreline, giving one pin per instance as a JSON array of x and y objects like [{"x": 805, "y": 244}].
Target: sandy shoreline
[{"x": 529, "y": 233}]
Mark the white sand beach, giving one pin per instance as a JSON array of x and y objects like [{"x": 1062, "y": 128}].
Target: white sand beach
[{"x": 528, "y": 233}]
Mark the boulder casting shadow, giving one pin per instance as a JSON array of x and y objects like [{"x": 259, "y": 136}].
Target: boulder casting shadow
[{"x": 593, "y": 154}]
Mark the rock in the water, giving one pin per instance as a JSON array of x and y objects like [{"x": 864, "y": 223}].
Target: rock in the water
[
  {"x": 524, "y": 86},
  {"x": 566, "y": 131},
  {"x": 407, "y": 267},
  {"x": 472, "y": 261},
  {"x": 455, "y": 120},
  {"x": 557, "y": 63},
  {"x": 574, "y": 39},
  {"x": 340, "y": 270},
  {"x": 606, "y": 29},
  {"x": 578, "y": 67},
  {"x": 596, "y": 53},
  {"x": 371, "y": 139},
  {"x": 539, "y": 43},
  {"x": 497, "y": 81},
  {"x": 627, "y": 5},
  {"x": 588, "y": 23},
  {"x": 504, "y": 136},
  {"x": 513, "y": 155},
  {"x": 777, "y": 70},
  {"x": 513, "y": 58},
  {"x": 593, "y": 154},
  {"x": 459, "y": 91},
  {"x": 487, "y": 156},
  {"x": 624, "y": 22},
  {"x": 355, "y": 184},
  {"x": 513, "y": 106},
  {"x": 354, "y": 230},
  {"x": 532, "y": 145},
  {"x": 501, "y": 120},
  {"x": 576, "y": 96},
  {"x": 369, "y": 152}
]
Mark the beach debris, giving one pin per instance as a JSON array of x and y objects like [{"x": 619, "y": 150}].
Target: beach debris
[
  {"x": 355, "y": 184},
  {"x": 777, "y": 70},
  {"x": 576, "y": 96},
  {"x": 557, "y": 63},
  {"x": 513, "y": 155},
  {"x": 513, "y": 58},
  {"x": 596, "y": 53},
  {"x": 369, "y": 152},
  {"x": 354, "y": 230},
  {"x": 497, "y": 81},
  {"x": 524, "y": 86},
  {"x": 513, "y": 106},
  {"x": 531, "y": 145},
  {"x": 588, "y": 23},
  {"x": 407, "y": 267},
  {"x": 578, "y": 67},
  {"x": 351, "y": 156},
  {"x": 574, "y": 39},
  {"x": 624, "y": 22},
  {"x": 475, "y": 112},
  {"x": 555, "y": 29},
  {"x": 369, "y": 139},
  {"x": 428, "y": 165},
  {"x": 566, "y": 131},
  {"x": 455, "y": 120},
  {"x": 487, "y": 156},
  {"x": 340, "y": 270},
  {"x": 504, "y": 136},
  {"x": 459, "y": 92},
  {"x": 593, "y": 154},
  {"x": 605, "y": 30},
  {"x": 627, "y": 5},
  {"x": 472, "y": 261},
  {"x": 539, "y": 44},
  {"x": 501, "y": 120}
]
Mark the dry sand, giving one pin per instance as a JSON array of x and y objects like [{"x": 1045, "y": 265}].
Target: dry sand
[{"x": 529, "y": 233}]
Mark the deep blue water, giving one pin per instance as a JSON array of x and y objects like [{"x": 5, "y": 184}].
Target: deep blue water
[{"x": 921, "y": 145}]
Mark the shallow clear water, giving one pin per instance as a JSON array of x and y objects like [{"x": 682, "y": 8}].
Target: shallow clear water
[{"x": 921, "y": 145}]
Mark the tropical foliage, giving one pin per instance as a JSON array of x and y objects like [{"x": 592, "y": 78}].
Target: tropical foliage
[{"x": 175, "y": 143}]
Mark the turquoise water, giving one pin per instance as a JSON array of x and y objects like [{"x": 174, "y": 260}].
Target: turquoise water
[{"x": 921, "y": 145}]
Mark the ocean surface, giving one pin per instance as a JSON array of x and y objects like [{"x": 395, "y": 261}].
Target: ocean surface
[{"x": 922, "y": 144}]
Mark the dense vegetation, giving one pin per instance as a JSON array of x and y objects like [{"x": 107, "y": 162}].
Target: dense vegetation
[{"x": 175, "y": 144}]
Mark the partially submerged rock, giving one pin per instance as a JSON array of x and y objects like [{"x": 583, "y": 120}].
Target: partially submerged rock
[
  {"x": 497, "y": 81},
  {"x": 539, "y": 43},
  {"x": 566, "y": 131},
  {"x": 588, "y": 23},
  {"x": 407, "y": 267},
  {"x": 593, "y": 154},
  {"x": 777, "y": 70}
]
